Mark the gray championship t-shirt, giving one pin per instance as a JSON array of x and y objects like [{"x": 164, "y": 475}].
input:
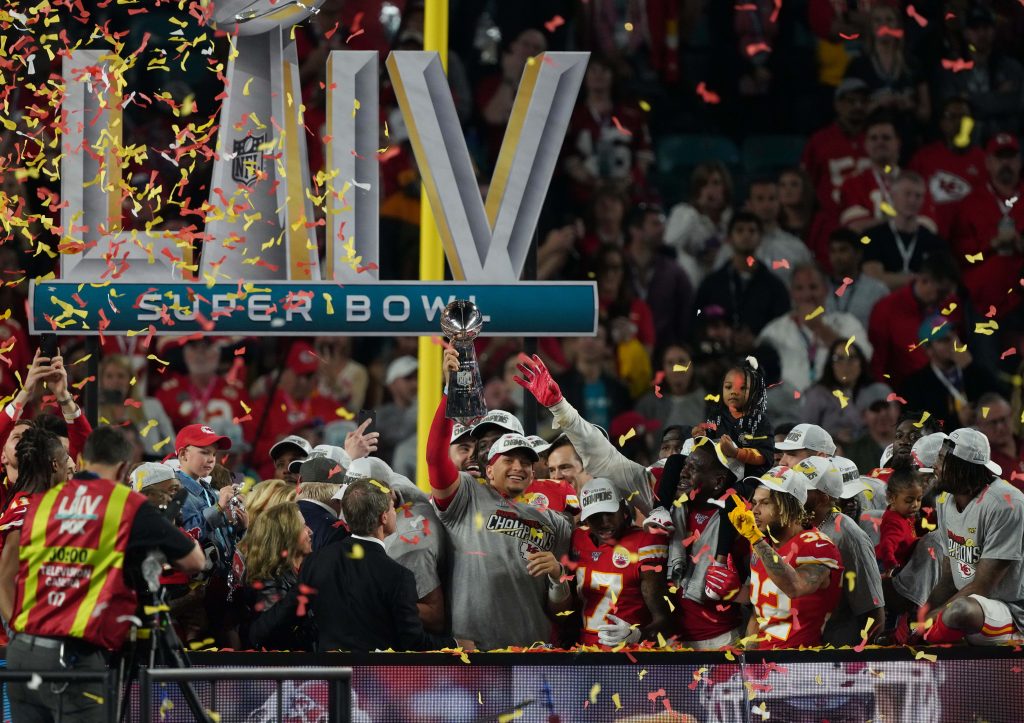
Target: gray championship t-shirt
[
  {"x": 916, "y": 580},
  {"x": 494, "y": 601},
  {"x": 843, "y": 627},
  {"x": 991, "y": 526},
  {"x": 419, "y": 540}
]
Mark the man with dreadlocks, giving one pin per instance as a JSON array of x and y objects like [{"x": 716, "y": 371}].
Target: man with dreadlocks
[{"x": 980, "y": 593}]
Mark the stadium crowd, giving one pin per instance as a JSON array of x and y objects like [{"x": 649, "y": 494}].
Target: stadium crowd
[{"x": 799, "y": 422}]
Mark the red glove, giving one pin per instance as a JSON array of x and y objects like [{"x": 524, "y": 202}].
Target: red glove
[
  {"x": 721, "y": 582},
  {"x": 537, "y": 381}
]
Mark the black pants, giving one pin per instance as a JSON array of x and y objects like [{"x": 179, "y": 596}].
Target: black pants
[{"x": 52, "y": 701}]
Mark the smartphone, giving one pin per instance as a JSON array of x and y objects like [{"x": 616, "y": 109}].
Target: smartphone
[
  {"x": 48, "y": 345},
  {"x": 365, "y": 414}
]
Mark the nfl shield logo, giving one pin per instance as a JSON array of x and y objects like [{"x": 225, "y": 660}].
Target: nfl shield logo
[{"x": 248, "y": 162}]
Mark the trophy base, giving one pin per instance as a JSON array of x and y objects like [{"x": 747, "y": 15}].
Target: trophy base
[{"x": 465, "y": 406}]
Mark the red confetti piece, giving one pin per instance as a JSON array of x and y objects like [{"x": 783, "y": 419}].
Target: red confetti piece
[
  {"x": 554, "y": 23},
  {"x": 851, "y": 36},
  {"x": 356, "y": 34},
  {"x": 658, "y": 379},
  {"x": 990, "y": 314},
  {"x": 330, "y": 33},
  {"x": 957, "y": 66},
  {"x": 746, "y": 7},
  {"x": 620, "y": 128},
  {"x": 755, "y": 48},
  {"x": 846, "y": 284},
  {"x": 780, "y": 264},
  {"x": 912, "y": 13},
  {"x": 893, "y": 397},
  {"x": 775, "y": 13},
  {"x": 706, "y": 95},
  {"x": 886, "y": 31},
  {"x": 1009, "y": 352}
]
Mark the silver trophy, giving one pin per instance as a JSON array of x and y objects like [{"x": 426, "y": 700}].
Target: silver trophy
[{"x": 462, "y": 322}]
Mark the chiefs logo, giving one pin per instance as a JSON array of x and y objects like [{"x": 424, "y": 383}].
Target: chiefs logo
[
  {"x": 966, "y": 570},
  {"x": 946, "y": 187}
]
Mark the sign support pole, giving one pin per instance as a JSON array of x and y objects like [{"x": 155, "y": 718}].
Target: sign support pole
[{"x": 429, "y": 376}]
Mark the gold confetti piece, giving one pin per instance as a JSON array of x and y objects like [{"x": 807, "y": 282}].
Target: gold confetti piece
[
  {"x": 645, "y": 106},
  {"x": 213, "y": 715},
  {"x": 886, "y": 208},
  {"x": 245, "y": 88},
  {"x": 843, "y": 399},
  {"x": 245, "y": 406},
  {"x": 565, "y": 613},
  {"x": 478, "y": 521},
  {"x": 984, "y": 412},
  {"x": 662, "y": 643},
  {"x": 921, "y": 655},
  {"x": 963, "y": 136},
  {"x": 681, "y": 368},
  {"x": 959, "y": 349},
  {"x": 729, "y": 656},
  {"x": 849, "y": 343},
  {"x": 594, "y": 690},
  {"x": 623, "y": 438},
  {"x": 358, "y": 553},
  {"x": 817, "y": 679},
  {"x": 712, "y": 397},
  {"x": 924, "y": 418},
  {"x": 865, "y": 240},
  {"x": 671, "y": 607},
  {"x": 161, "y": 443},
  {"x": 851, "y": 579},
  {"x": 506, "y": 717},
  {"x": 641, "y": 674},
  {"x": 974, "y": 258},
  {"x": 330, "y": 303},
  {"x": 615, "y": 700},
  {"x": 815, "y": 314},
  {"x": 154, "y": 357},
  {"x": 479, "y": 697},
  {"x": 986, "y": 328},
  {"x": 867, "y": 627},
  {"x": 93, "y": 697}
]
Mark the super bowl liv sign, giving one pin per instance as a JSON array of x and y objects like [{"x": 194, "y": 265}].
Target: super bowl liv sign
[{"x": 259, "y": 269}]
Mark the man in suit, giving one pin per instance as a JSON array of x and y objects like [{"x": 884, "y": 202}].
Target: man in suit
[{"x": 363, "y": 599}]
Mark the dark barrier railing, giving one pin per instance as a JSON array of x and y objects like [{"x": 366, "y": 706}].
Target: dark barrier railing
[
  {"x": 340, "y": 681},
  {"x": 107, "y": 677}
]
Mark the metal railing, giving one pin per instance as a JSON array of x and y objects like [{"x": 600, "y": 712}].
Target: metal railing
[
  {"x": 107, "y": 677},
  {"x": 339, "y": 678}
]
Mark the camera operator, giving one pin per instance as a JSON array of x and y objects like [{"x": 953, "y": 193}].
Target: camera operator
[{"x": 64, "y": 591}]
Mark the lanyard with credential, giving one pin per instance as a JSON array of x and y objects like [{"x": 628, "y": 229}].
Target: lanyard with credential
[
  {"x": 811, "y": 343},
  {"x": 906, "y": 251}
]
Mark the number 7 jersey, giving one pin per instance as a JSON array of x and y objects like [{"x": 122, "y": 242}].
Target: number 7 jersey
[
  {"x": 785, "y": 622},
  {"x": 608, "y": 577}
]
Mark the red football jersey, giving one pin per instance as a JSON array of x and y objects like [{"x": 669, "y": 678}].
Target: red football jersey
[
  {"x": 830, "y": 157},
  {"x": 862, "y": 196},
  {"x": 614, "y": 147},
  {"x": 951, "y": 177},
  {"x": 550, "y": 494},
  {"x": 608, "y": 577},
  {"x": 187, "y": 404},
  {"x": 785, "y": 622}
]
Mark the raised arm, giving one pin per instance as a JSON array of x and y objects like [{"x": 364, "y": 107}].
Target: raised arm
[{"x": 441, "y": 471}]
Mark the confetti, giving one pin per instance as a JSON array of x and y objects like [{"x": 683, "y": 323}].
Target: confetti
[
  {"x": 963, "y": 136},
  {"x": 554, "y": 23},
  {"x": 594, "y": 690},
  {"x": 957, "y": 65},
  {"x": 845, "y": 285},
  {"x": 706, "y": 95},
  {"x": 916, "y": 16},
  {"x": 815, "y": 314}
]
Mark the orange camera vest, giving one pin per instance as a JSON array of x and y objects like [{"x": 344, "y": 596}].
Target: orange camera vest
[{"x": 71, "y": 563}]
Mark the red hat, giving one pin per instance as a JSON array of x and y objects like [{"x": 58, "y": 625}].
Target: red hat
[
  {"x": 200, "y": 435},
  {"x": 635, "y": 421},
  {"x": 1001, "y": 142},
  {"x": 302, "y": 359}
]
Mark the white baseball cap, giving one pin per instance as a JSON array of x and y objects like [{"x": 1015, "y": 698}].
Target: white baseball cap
[
  {"x": 459, "y": 431},
  {"x": 808, "y": 436},
  {"x": 788, "y": 480},
  {"x": 822, "y": 475},
  {"x": 338, "y": 455},
  {"x": 366, "y": 468},
  {"x": 499, "y": 418},
  {"x": 850, "y": 475},
  {"x": 598, "y": 495},
  {"x": 733, "y": 465},
  {"x": 150, "y": 473},
  {"x": 540, "y": 446},
  {"x": 972, "y": 446},
  {"x": 925, "y": 451},
  {"x": 886, "y": 456},
  {"x": 401, "y": 367},
  {"x": 508, "y": 442},
  {"x": 292, "y": 440}
]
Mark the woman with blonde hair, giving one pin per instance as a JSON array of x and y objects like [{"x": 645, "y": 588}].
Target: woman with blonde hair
[
  {"x": 273, "y": 548},
  {"x": 266, "y": 494}
]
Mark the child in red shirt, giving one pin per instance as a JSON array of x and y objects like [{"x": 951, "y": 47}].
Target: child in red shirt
[{"x": 898, "y": 533}]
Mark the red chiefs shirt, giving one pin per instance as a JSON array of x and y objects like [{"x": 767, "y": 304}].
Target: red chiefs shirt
[
  {"x": 608, "y": 150},
  {"x": 696, "y": 621},
  {"x": 951, "y": 177},
  {"x": 550, "y": 494},
  {"x": 862, "y": 196},
  {"x": 785, "y": 622},
  {"x": 283, "y": 417},
  {"x": 185, "y": 403},
  {"x": 608, "y": 577},
  {"x": 976, "y": 224},
  {"x": 830, "y": 157}
]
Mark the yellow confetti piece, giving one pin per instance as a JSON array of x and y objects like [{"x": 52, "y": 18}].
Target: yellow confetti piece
[
  {"x": 479, "y": 697},
  {"x": 506, "y": 717},
  {"x": 565, "y": 613},
  {"x": 986, "y": 328},
  {"x": 478, "y": 521},
  {"x": 641, "y": 674},
  {"x": 851, "y": 580},
  {"x": 815, "y": 314},
  {"x": 662, "y": 643},
  {"x": 849, "y": 343},
  {"x": 594, "y": 690},
  {"x": 886, "y": 208},
  {"x": 148, "y": 428},
  {"x": 963, "y": 136},
  {"x": 867, "y": 627},
  {"x": 843, "y": 399},
  {"x": 213, "y": 715},
  {"x": 358, "y": 553},
  {"x": 344, "y": 413},
  {"x": 817, "y": 679},
  {"x": 623, "y": 438},
  {"x": 921, "y": 655},
  {"x": 645, "y": 106},
  {"x": 329, "y": 300},
  {"x": 616, "y": 701},
  {"x": 355, "y": 106},
  {"x": 974, "y": 258},
  {"x": 245, "y": 88},
  {"x": 712, "y": 397},
  {"x": 245, "y": 406},
  {"x": 161, "y": 443},
  {"x": 93, "y": 697},
  {"x": 959, "y": 349},
  {"x": 729, "y": 656},
  {"x": 924, "y": 418},
  {"x": 154, "y": 357},
  {"x": 984, "y": 412},
  {"x": 865, "y": 240}
]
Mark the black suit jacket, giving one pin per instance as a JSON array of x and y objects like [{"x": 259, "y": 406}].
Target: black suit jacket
[
  {"x": 325, "y": 526},
  {"x": 364, "y": 600}
]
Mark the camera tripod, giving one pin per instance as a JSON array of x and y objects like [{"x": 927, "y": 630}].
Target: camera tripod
[{"x": 155, "y": 644}]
